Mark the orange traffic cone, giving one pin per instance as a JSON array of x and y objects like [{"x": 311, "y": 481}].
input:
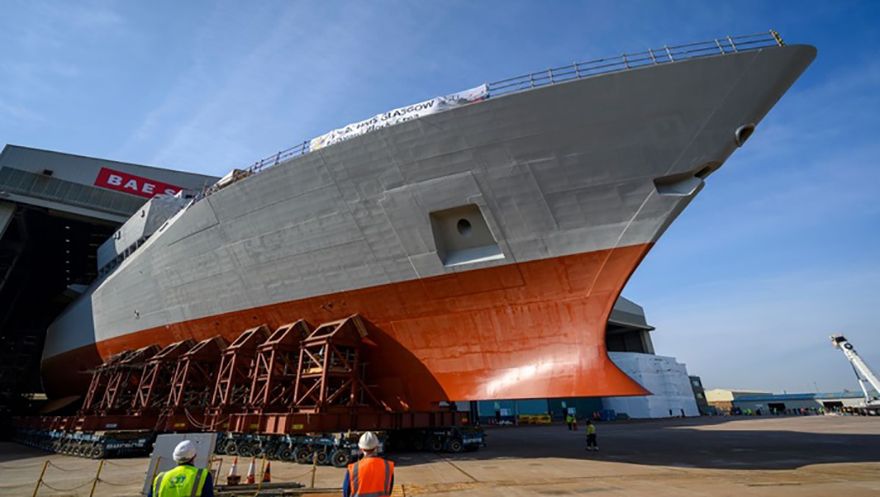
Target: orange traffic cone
[
  {"x": 267, "y": 474},
  {"x": 251, "y": 477},
  {"x": 233, "y": 478}
]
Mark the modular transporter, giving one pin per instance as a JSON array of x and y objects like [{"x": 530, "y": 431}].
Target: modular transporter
[{"x": 474, "y": 244}]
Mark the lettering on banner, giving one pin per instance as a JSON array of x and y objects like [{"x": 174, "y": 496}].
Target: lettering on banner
[
  {"x": 135, "y": 185},
  {"x": 399, "y": 115}
]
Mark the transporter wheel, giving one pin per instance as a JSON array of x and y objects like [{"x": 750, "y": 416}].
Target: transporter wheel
[
  {"x": 270, "y": 452},
  {"x": 339, "y": 458},
  {"x": 286, "y": 454},
  {"x": 455, "y": 446},
  {"x": 231, "y": 448},
  {"x": 436, "y": 444},
  {"x": 245, "y": 450},
  {"x": 323, "y": 458},
  {"x": 98, "y": 452},
  {"x": 303, "y": 454}
]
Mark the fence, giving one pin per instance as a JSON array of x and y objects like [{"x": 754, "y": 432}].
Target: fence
[{"x": 61, "y": 479}]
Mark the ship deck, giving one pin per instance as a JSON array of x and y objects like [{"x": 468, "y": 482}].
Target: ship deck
[{"x": 757, "y": 456}]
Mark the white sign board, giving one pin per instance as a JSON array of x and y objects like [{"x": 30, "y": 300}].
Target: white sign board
[
  {"x": 400, "y": 115},
  {"x": 163, "y": 451}
]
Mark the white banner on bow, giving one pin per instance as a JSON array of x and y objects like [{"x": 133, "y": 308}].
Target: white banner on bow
[{"x": 400, "y": 115}]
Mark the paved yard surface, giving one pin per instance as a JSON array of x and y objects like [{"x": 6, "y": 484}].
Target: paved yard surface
[{"x": 798, "y": 456}]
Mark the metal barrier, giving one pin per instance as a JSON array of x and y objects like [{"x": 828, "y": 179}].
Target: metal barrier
[
  {"x": 624, "y": 62},
  {"x": 578, "y": 70}
]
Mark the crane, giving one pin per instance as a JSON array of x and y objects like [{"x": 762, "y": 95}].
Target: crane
[{"x": 867, "y": 379}]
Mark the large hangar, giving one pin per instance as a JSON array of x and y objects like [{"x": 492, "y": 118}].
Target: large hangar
[{"x": 55, "y": 210}]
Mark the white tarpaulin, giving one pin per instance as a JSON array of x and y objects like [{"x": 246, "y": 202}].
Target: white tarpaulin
[{"x": 399, "y": 115}]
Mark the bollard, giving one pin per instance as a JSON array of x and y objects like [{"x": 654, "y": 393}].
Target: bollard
[
  {"x": 155, "y": 470},
  {"x": 262, "y": 474},
  {"x": 216, "y": 474},
  {"x": 97, "y": 477},
  {"x": 40, "y": 479},
  {"x": 314, "y": 467}
]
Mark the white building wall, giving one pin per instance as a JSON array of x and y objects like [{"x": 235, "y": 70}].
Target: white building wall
[{"x": 665, "y": 378}]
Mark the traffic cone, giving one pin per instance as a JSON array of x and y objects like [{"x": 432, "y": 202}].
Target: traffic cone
[
  {"x": 251, "y": 477},
  {"x": 233, "y": 478},
  {"x": 267, "y": 474}
]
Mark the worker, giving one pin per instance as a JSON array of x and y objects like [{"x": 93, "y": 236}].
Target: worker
[
  {"x": 591, "y": 436},
  {"x": 371, "y": 476},
  {"x": 568, "y": 421},
  {"x": 185, "y": 480}
]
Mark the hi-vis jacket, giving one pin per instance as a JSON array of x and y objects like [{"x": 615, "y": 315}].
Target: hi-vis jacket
[{"x": 371, "y": 477}]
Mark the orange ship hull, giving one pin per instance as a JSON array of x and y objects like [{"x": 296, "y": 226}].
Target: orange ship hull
[{"x": 525, "y": 330}]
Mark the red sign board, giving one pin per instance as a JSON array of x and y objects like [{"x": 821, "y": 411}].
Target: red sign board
[{"x": 135, "y": 185}]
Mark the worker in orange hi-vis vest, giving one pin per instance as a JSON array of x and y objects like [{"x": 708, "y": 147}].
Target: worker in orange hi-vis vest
[{"x": 372, "y": 476}]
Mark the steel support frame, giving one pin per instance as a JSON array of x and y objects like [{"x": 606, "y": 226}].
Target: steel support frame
[
  {"x": 329, "y": 374},
  {"x": 233, "y": 378},
  {"x": 275, "y": 371},
  {"x": 192, "y": 383},
  {"x": 123, "y": 381},
  {"x": 154, "y": 384}
]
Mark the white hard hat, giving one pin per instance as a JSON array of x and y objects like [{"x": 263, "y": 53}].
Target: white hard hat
[
  {"x": 184, "y": 451},
  {"x": 368, "y": 441}
]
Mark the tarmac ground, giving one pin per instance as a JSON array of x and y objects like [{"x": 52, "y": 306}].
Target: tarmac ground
[{"x": 718, "y": 456}]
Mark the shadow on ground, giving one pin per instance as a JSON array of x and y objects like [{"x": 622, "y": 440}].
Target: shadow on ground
[{"x": 713, "y": 443}]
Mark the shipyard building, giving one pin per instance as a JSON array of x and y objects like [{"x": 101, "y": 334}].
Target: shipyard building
[
  {"x": 55, "y": 210},
  {"x": 735, "y": 401}
]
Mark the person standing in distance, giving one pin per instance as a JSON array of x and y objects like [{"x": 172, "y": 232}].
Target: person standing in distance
[
  {"x": 371, "y": 476},
  {"x": 185, "y": 480},
  {"x": 591, "y": 436}
]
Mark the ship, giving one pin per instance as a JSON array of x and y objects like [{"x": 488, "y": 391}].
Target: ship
[{"x": 483, "y": 236}]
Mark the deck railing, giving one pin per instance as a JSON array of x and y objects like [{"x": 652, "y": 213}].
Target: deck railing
[
  {"x": 578, "y": 70},
  {"x": 624, "y": 62}
]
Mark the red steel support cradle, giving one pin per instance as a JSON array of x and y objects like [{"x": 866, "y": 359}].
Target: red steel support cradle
[
  {"x": 155, "y": 381},
  {"x": 123, "y": 381},
  {"x": 111, "y": 390},
  {"x": 275, "y": 370},
  {"x": 329, "y": 374},
  {"x": 273, "y": 375},
  {"x": 329, "y": 391},
  {"x": 100, "y": 377},
  {"x": 234, "y": 377},
  {"x": 294, "y": 381},
  {"x": 192, "y": 384}
]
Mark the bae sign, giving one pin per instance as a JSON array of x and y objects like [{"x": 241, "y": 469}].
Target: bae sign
[{"x": 135, "y": 185}]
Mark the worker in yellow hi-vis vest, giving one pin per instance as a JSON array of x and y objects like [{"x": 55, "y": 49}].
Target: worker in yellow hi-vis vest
[
  {"x": 185, "y": 480},
  {"x": 591, "y": 436}
]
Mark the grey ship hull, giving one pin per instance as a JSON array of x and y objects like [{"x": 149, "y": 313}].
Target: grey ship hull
[{"x": 566, "y": 187}]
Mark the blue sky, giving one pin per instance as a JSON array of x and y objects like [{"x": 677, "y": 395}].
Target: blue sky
[{"x": 780, "y": 249}]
